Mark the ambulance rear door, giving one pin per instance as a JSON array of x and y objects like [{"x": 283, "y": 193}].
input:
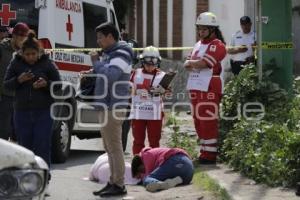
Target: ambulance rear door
[
  {"x": 62, "y": 26},
  {"x": 14, "y": 11}
]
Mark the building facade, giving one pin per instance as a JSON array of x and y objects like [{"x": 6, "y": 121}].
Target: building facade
[
  {"x": 171, "y": 23},
  {"x": 165, "y": 23}
]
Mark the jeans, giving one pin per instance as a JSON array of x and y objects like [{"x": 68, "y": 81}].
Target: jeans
[
  {"x": 34, "y": 131},
  {"x": 176, "y": 165},
  {"x": 6, "y": 113}
]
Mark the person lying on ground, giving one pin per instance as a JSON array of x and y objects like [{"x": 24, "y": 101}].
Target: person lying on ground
[
  {"x": 100, "y": 171},
  {"x": 162, "y": 168}
]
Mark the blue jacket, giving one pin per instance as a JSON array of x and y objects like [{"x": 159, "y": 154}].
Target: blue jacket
[{"x": 112, "y": 90}]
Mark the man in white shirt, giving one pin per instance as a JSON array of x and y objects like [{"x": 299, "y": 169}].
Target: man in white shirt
[{"x": 241, "y": 46}]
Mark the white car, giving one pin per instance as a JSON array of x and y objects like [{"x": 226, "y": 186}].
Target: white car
[{"x": 23, "y": 176}]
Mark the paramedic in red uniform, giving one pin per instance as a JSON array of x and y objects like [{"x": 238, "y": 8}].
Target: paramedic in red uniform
[
  {"x": 146, "y": 111},
  {"x": 204, "y": 84}
]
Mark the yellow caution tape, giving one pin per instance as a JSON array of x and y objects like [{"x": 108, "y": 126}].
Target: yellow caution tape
[
  {"x": 265, "y": 45},
  {"x": 135, "y": 49},
  {"x": 277, "y": 45}
]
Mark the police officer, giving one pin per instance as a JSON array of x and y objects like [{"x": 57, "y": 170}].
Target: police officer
[{"x": 242, "y": 46}]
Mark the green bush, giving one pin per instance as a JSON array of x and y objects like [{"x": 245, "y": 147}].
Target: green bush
[
  {"x": 181, "y": 140},
  {"x": 267, "y": 150}
]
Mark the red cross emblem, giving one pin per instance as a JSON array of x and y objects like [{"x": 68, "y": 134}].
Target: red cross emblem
[
  {"x": 69, "y": 27},
  {"x": 145, "y": 85},
  {"x": 6, "y": 15}
]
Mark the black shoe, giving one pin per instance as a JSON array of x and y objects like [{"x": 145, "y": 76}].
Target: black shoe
[
  {"x": 108, "y": 185},
  {"x": 203, "y": 161},
  {"x": 114, "y": 190}
]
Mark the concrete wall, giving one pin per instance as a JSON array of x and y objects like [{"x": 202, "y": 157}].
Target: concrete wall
[
  {"x": 250, "y": 10},
  {"x": 156, "y": 25},
  {"x": 188, "y": 26},
  {"x": 170, "y": 26},
  {"x": 228, "y": 12},
  {"x": 296, "y": 35}
]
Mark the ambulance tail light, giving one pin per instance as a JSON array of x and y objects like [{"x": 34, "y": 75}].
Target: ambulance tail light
[{"x": 46, "y": 43}]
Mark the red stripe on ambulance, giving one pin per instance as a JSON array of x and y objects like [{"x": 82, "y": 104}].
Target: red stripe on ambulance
[{"x": 72, "y": 67}]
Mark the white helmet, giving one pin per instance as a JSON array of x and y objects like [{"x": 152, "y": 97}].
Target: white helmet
[
  {"x": 150, "y": 55},
  {"x": 207, "y": 19}
]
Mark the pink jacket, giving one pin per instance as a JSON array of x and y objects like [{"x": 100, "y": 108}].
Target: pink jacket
[{"x": 155, "y": 157}]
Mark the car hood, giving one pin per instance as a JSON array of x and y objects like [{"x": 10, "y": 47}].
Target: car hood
[{"x": 13, "y": 155}]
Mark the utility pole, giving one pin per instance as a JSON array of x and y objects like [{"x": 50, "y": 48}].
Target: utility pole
[{"x": 259, "y": 38}]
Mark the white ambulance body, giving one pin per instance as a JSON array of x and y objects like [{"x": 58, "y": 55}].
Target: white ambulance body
[{"x": 65, "y": 24}]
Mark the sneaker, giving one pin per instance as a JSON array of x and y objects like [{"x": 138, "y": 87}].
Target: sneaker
[
  {"x": 174, "y": 181},
  {"x": 156, "y": 186},
  {"x": 164, "y": 185},
  {"x": 108, "y": 185},
  {"x": 203, "y": 161},
  {"x": 114, "y": 190}
]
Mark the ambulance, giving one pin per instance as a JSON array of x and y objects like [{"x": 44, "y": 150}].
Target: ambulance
[{"x": 66, "y": 24}]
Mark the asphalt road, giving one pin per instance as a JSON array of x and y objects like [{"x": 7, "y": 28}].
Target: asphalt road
[{"x": 70, "y": 180}]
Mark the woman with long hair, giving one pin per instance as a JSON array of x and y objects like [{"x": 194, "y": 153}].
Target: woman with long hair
[
  {"x": 205, "y": 85},
  {"x": 30, "y": 74}
]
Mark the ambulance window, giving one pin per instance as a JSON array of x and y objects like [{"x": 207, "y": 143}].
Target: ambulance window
[
  {"x": 93, "y": 16},
  {"x": 26, "y": 12}
]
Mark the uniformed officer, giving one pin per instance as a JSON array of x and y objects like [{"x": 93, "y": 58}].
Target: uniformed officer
[
  {"x": 147, "y": 112},
  {"x": 241, "y": 46}
]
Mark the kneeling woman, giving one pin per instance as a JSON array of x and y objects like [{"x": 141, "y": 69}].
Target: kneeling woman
[
  {"x": 162, "y": 168},
  {"x": 30, "y": 74}
]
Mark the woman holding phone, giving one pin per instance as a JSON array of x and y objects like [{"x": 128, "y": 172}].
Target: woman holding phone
[{"x": 30, "y": 74}]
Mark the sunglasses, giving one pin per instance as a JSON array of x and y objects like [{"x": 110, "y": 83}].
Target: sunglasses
[{"x": 151, "y": 60}]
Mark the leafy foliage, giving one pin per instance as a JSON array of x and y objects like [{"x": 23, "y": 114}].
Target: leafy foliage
[
  {"x": 267, "y": 150},
  {"x": 181, "y": 140}
]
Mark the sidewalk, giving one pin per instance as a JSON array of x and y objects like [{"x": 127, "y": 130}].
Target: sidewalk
[
  {"x": 237, "y": 186},
  {"x": 189, "y": 192},
  {"x": 242, "y": 188}
]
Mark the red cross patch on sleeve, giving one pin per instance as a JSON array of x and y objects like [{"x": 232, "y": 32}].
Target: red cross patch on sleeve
[{"x": 213, "y": 48}]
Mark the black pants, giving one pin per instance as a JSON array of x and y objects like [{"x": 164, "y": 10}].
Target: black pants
[
  {"x": 236, "y": 66},
  {"x": 6, "y": 114},
  {"x": 34, "y": 131}
]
